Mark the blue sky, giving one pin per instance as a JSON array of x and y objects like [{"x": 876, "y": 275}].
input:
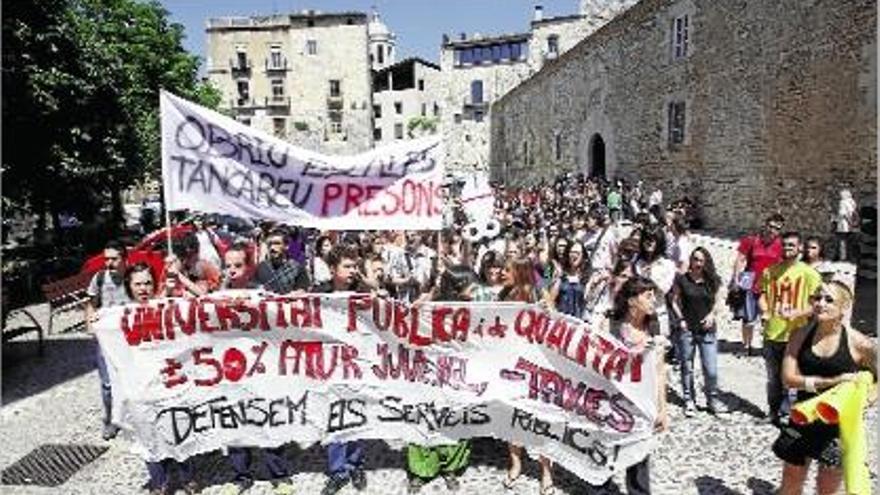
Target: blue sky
[{"x": 418, "y": 24}]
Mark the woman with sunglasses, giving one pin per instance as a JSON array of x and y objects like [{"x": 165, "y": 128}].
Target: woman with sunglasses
[
  {"x": 819, "y": 356},
  {"x": 693, "y": 304}
]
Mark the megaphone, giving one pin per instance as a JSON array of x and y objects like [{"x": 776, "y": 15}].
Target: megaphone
[{"x": 481, "y": 230}]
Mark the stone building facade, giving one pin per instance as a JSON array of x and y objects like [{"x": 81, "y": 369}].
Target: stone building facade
[
  {"x": 478, "y": 70},
  {"x": 748, "y": 107},
  {"x": 305, "y": 77},
  {"x": 405, "y": 100}
]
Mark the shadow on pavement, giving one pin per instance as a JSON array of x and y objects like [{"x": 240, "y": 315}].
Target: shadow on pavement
[
  {"x": 26, "y": 373},
  {"x": 760, "y": 487},
  {"x": 708, "y": 485}
]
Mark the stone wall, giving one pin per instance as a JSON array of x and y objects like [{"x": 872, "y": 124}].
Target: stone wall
[{"x": 780, "y": 108}]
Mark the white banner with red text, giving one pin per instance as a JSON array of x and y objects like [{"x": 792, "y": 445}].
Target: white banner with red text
[
  {"x": 214, "y": 164},
  {"x": 246, "y": 368}
]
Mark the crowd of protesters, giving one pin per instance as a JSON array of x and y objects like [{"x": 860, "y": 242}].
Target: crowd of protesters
[{"x": 612, "y": 254}]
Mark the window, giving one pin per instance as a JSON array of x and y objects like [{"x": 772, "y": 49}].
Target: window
[
  {"x": 424, "y": 109},
  {"x": 335, "y": 88},
  {"x": 496, "y": 53},
  {"x": 680, "y": 37},
  {"x": 279, "y": 127},
  {"x": 558, "y": 146},
  {"x": 243, "y": 92},
  {"x": 553, "y": 44},
  {"x": 676, "y": 122},
  {"x": 377, "y": 111},
  {"x": 312, "y": 47},
  {"x": 275, "y": 61},
  {"x": 487, "y": 53},
  {"x": 241, "y": 59},
  {"x": 457, "y": 118},
  {"x": 526, "y": 158},
  {"x": 398, "y": 131},
  {"x": 478, "y": 116},
  {"x": 380, "y": 55},
  {"x": 466, "y": 56},
  {"x": 436, "y": 109},
  {"x": 505, "y": 51},
  {"x": 476, "y": 92},
  {"x": 515, "y": 51},
  {"x": 245, "y": 121},
  {"x": 277, "y": 89},
  {"x": 388, "y": 52},
  {"x": 421, "y": 84},
  {"x": 398, "y": 107},
  {"x": 377, "y": 134},
  {"x": 336, "y": 122}
]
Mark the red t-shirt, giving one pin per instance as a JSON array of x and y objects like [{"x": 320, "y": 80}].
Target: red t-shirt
[{"x": 759, "y": 256}]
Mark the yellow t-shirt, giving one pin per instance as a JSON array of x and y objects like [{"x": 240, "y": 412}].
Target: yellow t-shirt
[{"x": 787, "y": 287}]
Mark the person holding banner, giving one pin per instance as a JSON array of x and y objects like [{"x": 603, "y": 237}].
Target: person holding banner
[
  {"x": 632, "y": 322},
  {"x": 449, "y": 461},
  {"x": 140, "y": 287},
  {"x": 186, "y": 273},
  {"x": 345, "y": 460},
  {"x": 819, "y": 356},
  {"x": 238, "y": 274},
  {"x": 519, "y": 286},
  {"x": 279, "y": 273}
]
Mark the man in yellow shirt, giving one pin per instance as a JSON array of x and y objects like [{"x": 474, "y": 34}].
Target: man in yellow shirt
[{"x": 786, "y": 288}]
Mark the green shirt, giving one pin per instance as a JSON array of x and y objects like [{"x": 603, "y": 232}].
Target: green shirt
[
  {"x": 787, "y": 287},
  {"x": 614, "y": 200}
]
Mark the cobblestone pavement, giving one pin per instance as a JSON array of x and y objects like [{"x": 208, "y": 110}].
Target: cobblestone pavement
[{"x": 55, "y": 399}]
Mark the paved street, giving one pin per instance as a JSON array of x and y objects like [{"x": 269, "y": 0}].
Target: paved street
[{"x": 55, "y": 399}]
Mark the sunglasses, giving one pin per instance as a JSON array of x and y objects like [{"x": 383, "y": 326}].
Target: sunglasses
[{"x": 818, "y": 297}]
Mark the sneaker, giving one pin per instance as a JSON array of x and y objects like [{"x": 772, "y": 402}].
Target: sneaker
[
  {"x": 452, "y": 483},
  {"x": 333, "y": 485},
  {"x": 718, "y": 408},
  {"x": 283, "y": 487},
  {"x": 690, "y": 409},
  {"x": 359, "y": 479},
  {"x": 110, "y": 431}
]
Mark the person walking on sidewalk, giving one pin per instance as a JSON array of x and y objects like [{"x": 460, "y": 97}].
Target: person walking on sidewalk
[
  {"x": 693, "y": 304},
  {"x": 107, "y": 289},
  {"x": 786, "y": 288},
  {"x": 755, "y": 253}
]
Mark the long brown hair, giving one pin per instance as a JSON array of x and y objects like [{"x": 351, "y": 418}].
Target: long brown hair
[{"x": 523, "y": 286}]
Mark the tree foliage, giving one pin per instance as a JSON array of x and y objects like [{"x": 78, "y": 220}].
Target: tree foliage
[{"x": 81, "y": 82}]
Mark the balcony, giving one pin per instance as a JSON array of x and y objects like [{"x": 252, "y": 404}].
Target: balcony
[
  {"x": 470, "y": 103},
  {"x": 335, "y": 101},
  {"x": 277, "y": 66},
  {"x": 239, "y": 66},
  {"x": 277, "y": 102},
  {"x": 242, "y": 102}
]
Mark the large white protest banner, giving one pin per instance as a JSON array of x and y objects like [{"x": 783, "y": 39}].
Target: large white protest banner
[
  {"x": 243, "y": 368},
  {"x": 214, "y": 164}
]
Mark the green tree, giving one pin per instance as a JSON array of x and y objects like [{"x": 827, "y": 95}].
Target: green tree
[{"x": 82, "y": 79}]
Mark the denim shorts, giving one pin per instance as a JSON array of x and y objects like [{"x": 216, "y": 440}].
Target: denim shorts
[{"x": 748, "y": 310}]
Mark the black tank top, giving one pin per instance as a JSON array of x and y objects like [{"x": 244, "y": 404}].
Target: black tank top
[{"x": 812, "y": 365}]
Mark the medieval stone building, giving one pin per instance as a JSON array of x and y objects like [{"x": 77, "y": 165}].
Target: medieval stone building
[{"x": 749, "y": 107}]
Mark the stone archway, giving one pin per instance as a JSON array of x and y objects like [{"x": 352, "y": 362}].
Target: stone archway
[{"x": 597, "y": 156}]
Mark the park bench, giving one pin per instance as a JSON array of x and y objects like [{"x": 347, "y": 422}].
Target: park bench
[
  {"x": 18, "y": 331},
  {"x": 67, "y": 294}
]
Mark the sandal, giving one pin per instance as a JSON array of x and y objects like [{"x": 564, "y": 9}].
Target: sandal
[{"x": 509, "y": 482}]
